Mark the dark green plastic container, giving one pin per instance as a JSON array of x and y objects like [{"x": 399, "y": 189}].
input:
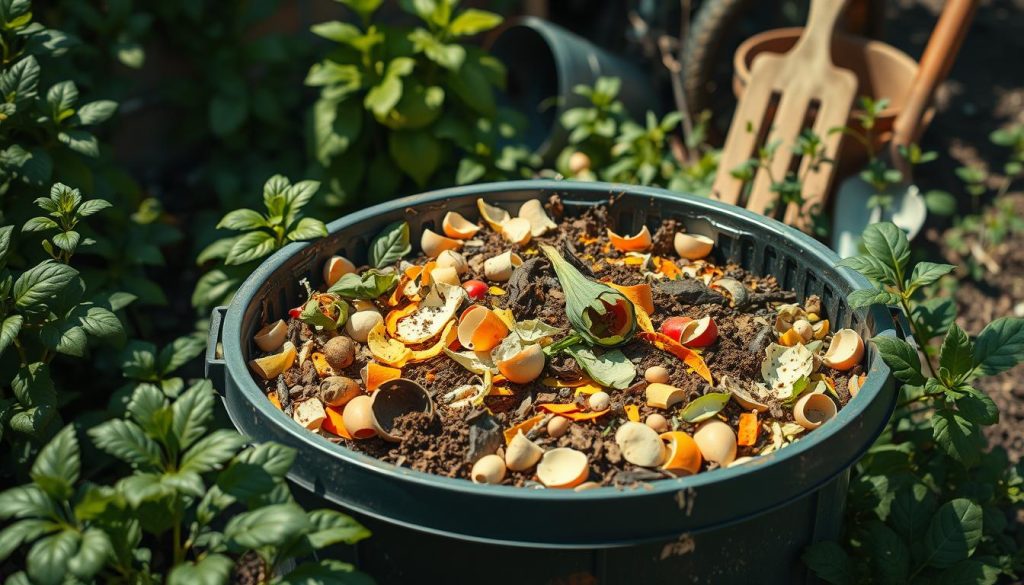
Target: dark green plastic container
[{"x": 746, "y": 524}]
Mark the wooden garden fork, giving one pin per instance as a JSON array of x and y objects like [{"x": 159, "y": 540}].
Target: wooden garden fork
[{"x": 786, "y": 94}]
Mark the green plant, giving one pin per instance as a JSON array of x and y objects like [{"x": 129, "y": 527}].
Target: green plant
[
  {"x": 47, "y": 310},
  {"x": 409, "y": 103},
  {"x": 929, "y": 503},
  {"x": 602, "y": 136},
  {"x": 263, "y": 233},
  {"x": 197, "y": 501}
]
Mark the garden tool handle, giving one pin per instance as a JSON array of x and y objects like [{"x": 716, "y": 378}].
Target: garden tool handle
[
  {"x": 936, "y": 61},
  {"x": 216, "y": 369},
  {"x": 816, "y": 39}
]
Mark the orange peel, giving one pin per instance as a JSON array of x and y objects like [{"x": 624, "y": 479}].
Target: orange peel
[
  {"x": 639, "y": 294},
  {"x": 455, "y": 226},
  {"x": 377, "y": 374},
  {"x": 524, "y": 426},
  {"x": 388, "y": 351},
  {"x": 689, "y": 357},
  {"x": 335, "y": 423},
  {"x": 638, "y": 243},
  {"x": 684, "y": 456},
  {"x": 480, "y": 329}
]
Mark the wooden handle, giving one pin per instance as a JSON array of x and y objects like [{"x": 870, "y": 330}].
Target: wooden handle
[
  {"x": 821, "y": 23},
  {"x": 936, "y": 61}
]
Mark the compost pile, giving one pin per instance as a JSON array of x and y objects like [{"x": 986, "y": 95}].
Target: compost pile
[{"x": 541, "y": 350}]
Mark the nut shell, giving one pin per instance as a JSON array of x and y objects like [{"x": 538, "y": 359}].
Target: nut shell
[
  {"x": 360, "y": 324},
  {"x": 340, "y": 352}
]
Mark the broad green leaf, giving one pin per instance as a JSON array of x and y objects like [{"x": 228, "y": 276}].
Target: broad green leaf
[
  {"x": 887, "y": 243},
  {"x": 39, "y": 224},
  {"x": 940, "y": 203},
  {"x": 325, "y": 572},
  {"x": 193, "y": 412},
  {"x": 307, "y": 229},
  {"x": 953, "y": 534},
  {"x": 970, "y": 572},
  {"x": 911, "y": 511},
  {"x": 26, "y": 501},
  {"x": 93, "y": 551},
  {"x": 33, "y": 386},
  {"x": 859, "y": 299},
  {"x": 999, "y": 346},
  {"x": 383, "y": 97},
  {"x": 9, "y": 331},
  {"x": 242, "y": 219},
  {"x": 5, "y": 243},
  {"x": 143, "y": 487},
  {"x": 80, "y": 141},
  {"x": 368, "y": 285},
  {"x": 96, "y": 112},
  {"x": 48, "y": 559},
  {"x": 251, "y": 246},
  {"x": 341, "y": 32},
  {"x": 67, "y": 241},
  {"x": 299, "y": 194},
  {"x": 978, "y": 408},
  {"x": 416, "y": 152},
  {"x": 336, "y": 125},
  {"x": 211, "y": 451},
  {"x": 365, "y": 8},
  {"x": 269, "y": 525},
  {"x": 138, "y": 360},
  {"x": 390, "y": 245},
  {"x": 957, "y": 436},
  {"x": 705, "y": 406},
  {"x": 612, "y": 368},
  {"x": 65, "y": 337},
  {"x": 889, "y": 555},
  {"x": 102, "y": 323},
  {"x": 39, "y": 284},
  {"x": 92, "y": 206},
  {"x": 957, "y": 352},
  {"x": 473, "y": 87},
  {"x": 926, "y": 273},
  {"x": 185, "y": 481},
  {"x": 346, "y": 78},
  {"x": 935, "y": 314},
  {"x": 58, "y": 465},
  {"x": 902, "y": 358},
  {"x": 213, "y": 569},
  {"x": 178, "y": 353},
  {"x": 23, "y": 532},
  {"x": 448, "y": 55},
  {"x": 20, "y": 82},
  {"x": 61, "y": 99},
  {"x": 473, "y": 21},
  {"x": 332, "y": 527},
  {"x": 128, "y": 442},
  {"x": 218, "y": 250}
]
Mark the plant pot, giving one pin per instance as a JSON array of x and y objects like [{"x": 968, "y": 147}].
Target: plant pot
[
  {"x": 882, "y": 71},
  {"x": 745, "y": 523},
  {"x": 545, "y": 62}
]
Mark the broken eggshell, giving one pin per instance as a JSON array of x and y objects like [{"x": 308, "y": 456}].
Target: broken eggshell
[
  {"x": 741, "y": 394},
  {"x": 310, "y": 414},
  {"x": 716, "y": 441},
  {"x": 358, "y": 417},
  {"x": 845, "y": 350},
  {"x": 271, "y": 366},
  {"x": 455, "y": 226},
  {"x": 271, "y": 337},
  {"x": 640, "y": 444},
  {"x": 480, "y": 329},
  {"x": 489, "y": 469},
  {"x": 433, "y": 243},
  {"x": 446, "y": 274},
  {"x": 499, "y": 268},
  {"x": 533, "y": 212},
  {"x": 812, "y": 410},
  {"x": 430, "y": 318},
  {"x": 639, "y": 243},
  {"x": 335, "y": 267},
  {"x": 360, "y": 324},
  {"x": 453, "y": 259},
  {"x": 522, "y": 453},
  {"x": 395, "y": 398},
  {"x": 692, "y": 246},
  {"x": 663, "y": 396},
  {"x": 525, "y": 366},
  {"x": 735, "y": 290},
  {"x": 563, "y": 468},
  {"x": 517, "y": 230}
]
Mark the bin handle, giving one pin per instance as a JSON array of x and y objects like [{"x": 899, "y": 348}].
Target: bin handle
[{"x": 215, "y": 366}]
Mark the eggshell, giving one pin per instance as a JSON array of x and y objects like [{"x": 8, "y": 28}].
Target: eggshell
[
  {"x": 488, "y": 469},
  {"x": 433, "y": 243},
  {"x": 480, "y": 329},
  {"x": 804, "y": 329},
  {"x": 638, "y": 243},
  {"x": 812, "y": 410},
  {"x": 360, "y": 324},
  {"x": 335, "y": 267},
  {"x": 446, "y": 274},
  {"x": 845, "y": 351},
  {"x": 358, "y": 417},
  {"x": 657, "y": 375},
  {"x": 271, "y": 337},
  {"x": 563, "y": 468},
  {"x": 517, "y": 230},
  {"x": 693, "y": 246},
  {"x": 640, "y": 444},
  {"x": 533, "y": 212},
  {"x": 499, "y": 268},
  {"x": 525, "y": 366},
  {"x": 310, "y": 414},
  {"x": 494, "y": 216},
  {"x": 716, "y": 441},
  {"x": 453, "y": 259},
  {"x": 663, "y": 395},
  {"x": 456, "y": 226},
  {"x": 522, "y": 453}
]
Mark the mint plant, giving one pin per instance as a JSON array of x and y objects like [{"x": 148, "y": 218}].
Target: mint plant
[
  {"x": 929, "y": 503},
  {"x": 262, "y": 234},
  {"x": 400, "y": 104},
  {"x": 196, "y": 501}
]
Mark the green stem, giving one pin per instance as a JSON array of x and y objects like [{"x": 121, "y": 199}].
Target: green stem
[
  {"x": 916, "y": 333},
  {"x": 921, "y": 398}
]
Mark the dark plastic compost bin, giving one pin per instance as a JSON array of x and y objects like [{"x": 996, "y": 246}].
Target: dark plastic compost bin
[{"x": 746, "y": 524}]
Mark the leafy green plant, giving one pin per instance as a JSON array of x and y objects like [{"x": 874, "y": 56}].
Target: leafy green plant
[
  {"x": 401, "y": 104},
  {"x": 196, "y": 501},
  {"x": 47, "y": 310},
  {"x": 263, "y": 233},
  {"x": 602, "y": 136},
  {"x": 929, "y": 503}
]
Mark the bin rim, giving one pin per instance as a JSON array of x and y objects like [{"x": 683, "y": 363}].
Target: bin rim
[{"x": 877, "y": 371}]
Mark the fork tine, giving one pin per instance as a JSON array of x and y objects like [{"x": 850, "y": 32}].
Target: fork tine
[
  {"x": 739, "y": 144},
  {"x": 789, "y": 121}
]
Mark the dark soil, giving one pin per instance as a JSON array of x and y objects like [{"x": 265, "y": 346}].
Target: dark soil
[{"x": 450, "y": 442}]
